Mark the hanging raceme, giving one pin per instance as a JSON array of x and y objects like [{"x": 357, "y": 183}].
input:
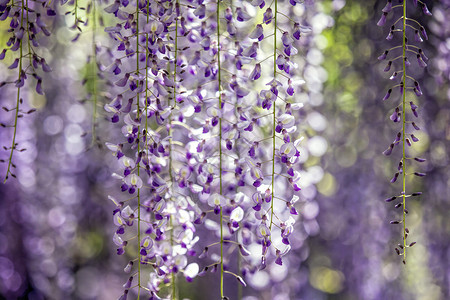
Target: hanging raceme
[
  {"x": 199, "y": 140},
  {"x": 192, "y": 69},
  {"x": 28, "y": 23},
  {"x": 160, "y": 214},
  {"x": 409, "y": 30}
]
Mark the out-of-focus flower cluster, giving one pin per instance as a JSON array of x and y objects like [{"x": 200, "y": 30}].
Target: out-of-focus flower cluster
[{"x": 245, "y": 140}]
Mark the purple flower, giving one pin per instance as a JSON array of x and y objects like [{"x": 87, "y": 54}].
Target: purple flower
[
  {"x": 407, "y": 63},
  {"x": 388, "y": 7},
  {"x": 16, "y": 45},
  {"x": 424, "y": 57},
  {"x": 417, "y": 89},
  {"x": 113, "y": 8},
  {"x": 281, "y": 60},
  {"x": 425, "y": 9},
  {"x": 390, "y": 36},
  {"x": 257, "y": 33},
  {"x": 397, "y": 138},
  {"x": 256, "y": 73},
  {"x": 413, "y": 108},
  {"x": 228, "y": 14},
  {"x": 393, "y": 76},
  {"x": 123, "y": 81},
  {"x": 268, "y": 16},
  {"x": 382, "y": 20},
  {"x": 115, "y": 118},
  {"x": 394, "y": 179},
  {"x": 286, "y": 39},
  {"x": 297, "y": 32},
  {"x": 39, "y": 87},
  {"x": 200, "y": 11},
  {"x": 391, "y": 199},
  {"x": 14, "y": 64},
  {"x": 420, "y": 61},
  {"x": 251, "y": 51},
  {"x": 418, "y": 92},
  {"x": 424, "y": 33},
  {"x": 383, "y": 56},
  {"x": 242, "y": 15},
  {"x": 388, "y": 94},
  {"x": 290, "y": 90},
  {"x": 231, "y": 29},
  {"x": 259, "y": 3},
  {"x": 45, "y": 66},
  {"x": 51, "y": 12},
  {"x": 19, "y": 33},
  {"x": 417, "y": 36},
  {"x": 395, "y": 115},
  {"x": 205, "y": 43},
  {"x": 388, "y": 151},
  {"x": 290, "y": 50}
]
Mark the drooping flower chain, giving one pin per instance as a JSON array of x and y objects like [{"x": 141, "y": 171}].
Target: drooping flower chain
[
  {"x": 405, "y": 137},
  {"x": 28, "y": 23},
  {"x": 274, "y": 108},
  {"x": 194, "y": 142},
  {"x": 240, "y": 117},
  {"x": 164, "y": 220}
]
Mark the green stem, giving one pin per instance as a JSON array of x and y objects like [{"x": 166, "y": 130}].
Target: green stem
[
  {"x": 138, "y": 150},
  {"x": 273, "y": 112},
  {"x": 220, "y": 146},
  {"x": 404, "y": 132},
  {"x": 173, "y": 275}
]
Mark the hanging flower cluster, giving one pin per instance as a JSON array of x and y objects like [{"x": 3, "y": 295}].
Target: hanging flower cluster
[
  {"x": 409, "y": 30},
  {"x": 28, "y": 23},
  {"x": 205, "y": 141},
  {"x": 202, "y": 113}
]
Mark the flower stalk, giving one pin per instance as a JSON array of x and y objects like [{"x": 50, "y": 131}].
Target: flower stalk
[
  {"x": 404, "y": 46},
  {"x": 220, "y": 146},
  {"x": 174, "y": 96},
  {"x": 275, "y": 24},
  {"x": 138, "y": 118},
  {"x": 405, "y": 137}
]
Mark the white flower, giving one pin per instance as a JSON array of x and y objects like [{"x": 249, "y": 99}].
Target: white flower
[
  {"x": 133, "y": 180},
  {"x": 237, "y": 214},
  {"x": 191, "y": 271}
]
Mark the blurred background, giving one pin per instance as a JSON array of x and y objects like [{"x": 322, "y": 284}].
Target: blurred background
[{"x": 56, "y": 221}]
